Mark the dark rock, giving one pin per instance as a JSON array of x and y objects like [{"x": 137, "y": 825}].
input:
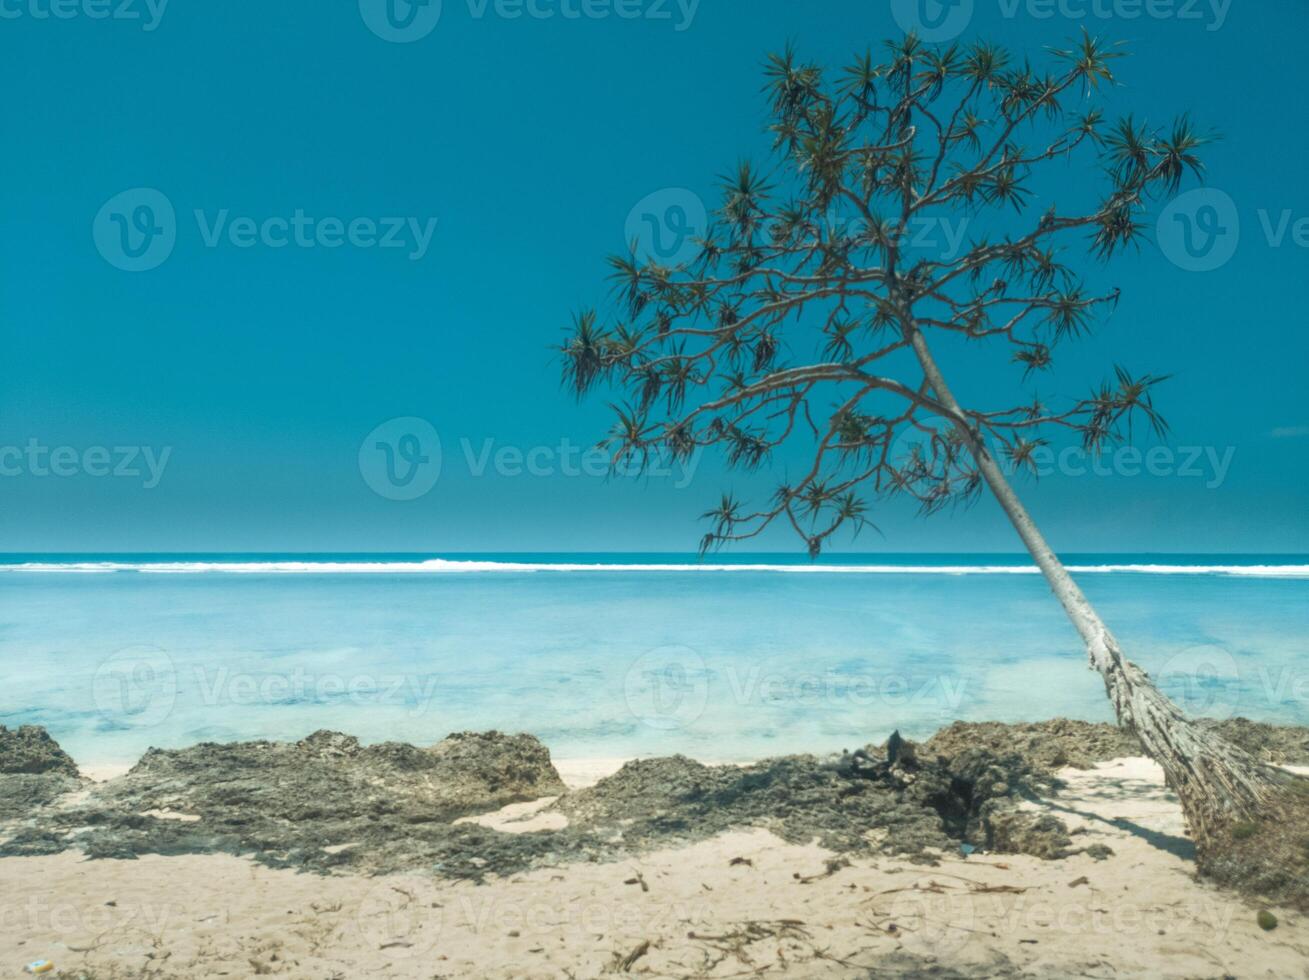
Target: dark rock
[
  {"x": 22, "y": 794},
  {"x": 1081, "y": 744},
  {"x": 327, "y": 803},
  {"x": 894, "y": 745},
  {"x": 1045, "y": 745},
  {"x": 1021, "y": 832},
  {"x": 31, "y": 841},
  {"x": 34, "y": 773},
  {"x": 286, "y": 804},
  {"x": 851, "y": 803},
  {"x": 31, "y": 750},
  {"x": 331, "y": 777},
  {"x": 1282, "y": 745}
]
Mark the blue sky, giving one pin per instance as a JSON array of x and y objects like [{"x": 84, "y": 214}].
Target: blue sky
[{"x": 233, "y": 384}]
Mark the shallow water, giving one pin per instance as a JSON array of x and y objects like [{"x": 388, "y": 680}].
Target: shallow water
[{"x": 618, "y": 662}]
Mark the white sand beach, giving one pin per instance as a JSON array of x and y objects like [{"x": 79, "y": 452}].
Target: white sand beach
[{"x": 741, "y": 904}]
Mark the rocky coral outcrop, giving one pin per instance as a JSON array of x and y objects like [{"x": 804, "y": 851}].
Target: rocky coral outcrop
[
  {"x": 34, "y": 771},
  {"x": 30, "y": 750},
  {"x": 328, "y": 803},
  {"x": 1047, "y": 745}
]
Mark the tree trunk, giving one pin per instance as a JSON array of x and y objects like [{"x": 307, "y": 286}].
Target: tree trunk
[{"x": 1217, "y": 782}]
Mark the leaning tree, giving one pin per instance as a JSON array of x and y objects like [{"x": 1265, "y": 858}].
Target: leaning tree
[{"x": 810, "y": 316}]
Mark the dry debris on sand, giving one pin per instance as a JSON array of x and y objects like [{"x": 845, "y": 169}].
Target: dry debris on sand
[
  {"x": 891, "y": 859},
  {"x": 1267, "y": 856}
]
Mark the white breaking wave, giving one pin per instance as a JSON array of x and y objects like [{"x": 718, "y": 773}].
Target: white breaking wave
[{"x": 442, "y": 566}]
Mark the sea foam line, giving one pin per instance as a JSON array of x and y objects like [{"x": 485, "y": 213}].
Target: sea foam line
[{"x": 447, "y": 566}]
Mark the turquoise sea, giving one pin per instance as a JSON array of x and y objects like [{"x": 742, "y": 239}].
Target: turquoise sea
[{"x": 731, "y": 657}]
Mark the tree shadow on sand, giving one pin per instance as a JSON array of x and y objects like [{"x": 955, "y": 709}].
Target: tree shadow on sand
[{"x": 1136, "y": 791}]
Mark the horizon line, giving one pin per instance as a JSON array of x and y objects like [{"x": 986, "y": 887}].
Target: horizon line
[{"x": 719, "y": 554}]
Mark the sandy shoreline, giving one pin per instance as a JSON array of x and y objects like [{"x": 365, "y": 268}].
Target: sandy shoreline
[
  {"x": 1119, "y": 897},
  {"x": 742, "y": 903}
]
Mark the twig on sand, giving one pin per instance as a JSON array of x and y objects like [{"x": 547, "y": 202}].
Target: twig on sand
[
  {"x": 622, "y": 964},
  {"x": 832, "y": 867},
  {"x": 737, "y": 942}
]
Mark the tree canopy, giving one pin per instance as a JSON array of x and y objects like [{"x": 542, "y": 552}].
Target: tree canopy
[{"x": 796, "y": 318}]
